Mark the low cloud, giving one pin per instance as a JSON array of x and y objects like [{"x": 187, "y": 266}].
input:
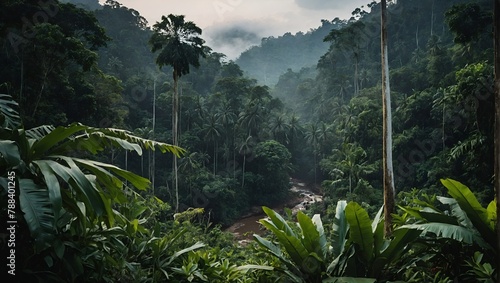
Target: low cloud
[
  {"x": 319, "y": 4},
  {"x": 233, "y": 39},
  {"x": 330, "y": 4}
]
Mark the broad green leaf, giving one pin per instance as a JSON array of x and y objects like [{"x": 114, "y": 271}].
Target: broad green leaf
[
  {"x": 35, "y": 204},
  {"x": 144, "y": 143},
  {"x": 276, "y": 251},
  {"x": 9, "y": 153},
  {"x": 450, "y": 231},
  {"x": 42, "y": 146},
  {"x": 316, "y": 219},
  {"x": 292, "y": 244},
  {"x": 378, "y": 232},
  {"x": 310, "y": 235},
  {"x": 78, "y": 181},
  {"x": 469, "y": 203},
  {"x": 457, "y": 212},
  {"x": 177, "y": 254},
  {"x": 53, "y": 187},
  {"x": 377, "y": 219},
  {"x": 278, "y": 221},
  {"x": 491, "y": 211},
  {"x": 340, "y": 228},
  {"x": 110, "y": 213},
  {"x": 360, "y": 229},
  {"x": 137, "y": 181},
  {"x": 399, "y": 243},
  {"x": 113, "y": 185},
  {"x": 429, "y": 215}
]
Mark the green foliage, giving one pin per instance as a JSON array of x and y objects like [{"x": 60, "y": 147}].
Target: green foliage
[
  {"x": 89, "y": 220},
  {"x": 358, "y": 247},
  {"x": 468, "y": 223},
  {"x": 178, "y": 42},
  {"x": 366, "y": 252},
  {"x": 465, "y": 225},
  {"x": 9, "y": 116},
  {"x": 467, "y": 21},
  {"x": 272, "y": 163},
  {"x": 59, "y": 193},
  {"x": 58, "y": 50},
  {"x": 306, "y": 250}
]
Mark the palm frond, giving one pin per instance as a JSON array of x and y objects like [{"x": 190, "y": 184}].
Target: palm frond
[{"x": 39, "y": 132}]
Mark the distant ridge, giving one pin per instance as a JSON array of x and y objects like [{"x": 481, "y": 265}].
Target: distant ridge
[{"x": 275, "y": 55}]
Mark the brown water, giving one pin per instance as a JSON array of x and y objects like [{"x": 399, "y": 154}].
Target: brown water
[{"x": 244, "y": 228}]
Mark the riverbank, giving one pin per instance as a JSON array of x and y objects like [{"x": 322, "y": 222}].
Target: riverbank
[{"x": 302, "y": 196}]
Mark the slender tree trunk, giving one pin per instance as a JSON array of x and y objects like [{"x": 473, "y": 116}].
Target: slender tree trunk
[
  {"x": 443, "y": 121},
  {"x": 152, "y": 173},
  {"x": 21, "y": 88},
  {"x": 175, "y": 103},
  {"x": 215, "y": 156},
  {"x": 39, "y": 97},
  {"x": 243, "y": 175},
  {"x": 126, "y": 164},
  {"x": 350, "y": 183},
  {"x": 432, "y": 18},
  {"x": 496, "y": 31},
  {"x": 389, "y": 190},
  {"x": 356, "y": 76},
  {"x": 416, "y": 37}
]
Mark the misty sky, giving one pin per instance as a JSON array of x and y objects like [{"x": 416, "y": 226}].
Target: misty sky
[{"x": 232, "y": 26}]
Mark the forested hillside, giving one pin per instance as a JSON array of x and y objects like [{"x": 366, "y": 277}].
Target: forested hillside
[
  {"x": 267, "y": 61},
  {"x": 441, "y": 117},
  {"x": 127, "y": 147}
]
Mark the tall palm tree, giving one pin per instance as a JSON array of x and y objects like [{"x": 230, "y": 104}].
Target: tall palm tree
[
  {"x": 389, "y": 190},
  {"x": 228, "y": 117},
  {"x": 312, "y": 137},
  {"x": 246, "y": 148},
  {"x": 179, "y": 45},
  {"x": 351, "y": 161},
  {"x": 251, "y": 118},
  {"x": 279, "y": 129},
  {"x": 213, "y": 132}
]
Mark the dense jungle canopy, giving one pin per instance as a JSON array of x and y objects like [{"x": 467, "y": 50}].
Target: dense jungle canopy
[{"x": 127, "y": 147}]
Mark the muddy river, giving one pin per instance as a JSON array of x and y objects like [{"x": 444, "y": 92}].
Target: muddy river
[{"x": 244, "y": 228}]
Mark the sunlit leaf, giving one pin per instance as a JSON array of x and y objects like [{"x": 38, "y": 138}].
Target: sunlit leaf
[{"x": 360, "y": 229}]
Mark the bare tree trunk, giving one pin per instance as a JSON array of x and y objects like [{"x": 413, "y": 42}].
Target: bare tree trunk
[
  {"x": 432, "y": 18},
  {"x": 152, "y": 164},
  {"x": 389, "y": 191},
  {"x": 356, "y": 76},
  {"x": 175, "y": 103},
  {"x": 243, "y": 175},
  {"x": 496, "y": 31}
]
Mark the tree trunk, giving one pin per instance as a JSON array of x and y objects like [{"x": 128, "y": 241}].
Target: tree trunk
[
  {"x": 175, "y": 116},
  {"x": 432, "y": 18},
  {"x": 152, "y": 171},
  {"x": 356, "y": 76},
  {"x": 389, "y": 191},
  {"x": 243, "y": 175},
  {"x": 496, "y": 36}
]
